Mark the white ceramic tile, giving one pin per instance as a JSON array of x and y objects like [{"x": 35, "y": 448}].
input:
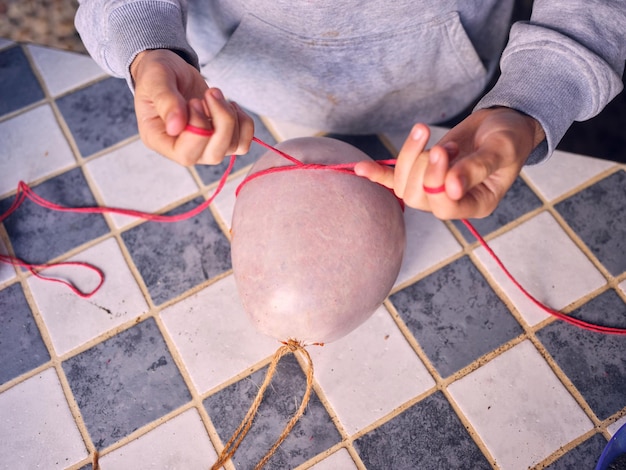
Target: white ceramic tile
[
  {"x": 38, "y": 429},
  {"x": 370, "y": 372},
  {"x": 180, "y": 443},
  {"x": 519, "y": 408},
  {"x": 546, "y": 262},
  {"x": 428, "y": 242},
  {"x": 617, "y": 425},
  {"x": 135, "y": 177},
  {"x": 397, "y": 139},
  {"x": 224, "y": 202},
  {"x": 62, "y": 70},
  {"x": 563, "y": 172},
  {"x": 214, "y": 336},
  {"x": 36, "y": 136},
  {"x": 340, "y": 460},
  {"x": 283, "y": 130},
  {"x": 7, "y": 272},
  {"x": 72, "y": 320}
]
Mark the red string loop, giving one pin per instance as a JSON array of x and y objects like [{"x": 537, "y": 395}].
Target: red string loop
[
  {"x": 437, "y": 190},
  {"x": 25, "y": 192}
]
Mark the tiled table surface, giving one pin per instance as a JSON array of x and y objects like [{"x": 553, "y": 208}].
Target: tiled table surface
[{"x": 455, "y": 370}]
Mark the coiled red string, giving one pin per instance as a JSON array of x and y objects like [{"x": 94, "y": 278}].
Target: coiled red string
[{"x": 24, "y": 191}]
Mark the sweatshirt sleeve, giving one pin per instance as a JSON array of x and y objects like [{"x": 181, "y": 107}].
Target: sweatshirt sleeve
[
  {"x": 563, "y": 65},
  {"x": 115, "y": 31}
]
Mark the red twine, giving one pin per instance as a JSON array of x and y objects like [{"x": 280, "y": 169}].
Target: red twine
[{"x": 25, "y": 192}]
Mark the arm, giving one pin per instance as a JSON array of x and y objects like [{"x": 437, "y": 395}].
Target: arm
[
  {"x": 563, "y": 65},
  {"x": 114, "y": 32},
  {"x": 144, "y": 42}
]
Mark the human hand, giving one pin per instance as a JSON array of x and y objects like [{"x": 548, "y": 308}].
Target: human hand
[
  {"x": 468, "y": 172},
  {"x": 169, "y": 94}
]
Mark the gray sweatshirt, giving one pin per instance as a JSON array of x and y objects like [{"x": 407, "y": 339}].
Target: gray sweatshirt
[{"x": 359, "y": 66}]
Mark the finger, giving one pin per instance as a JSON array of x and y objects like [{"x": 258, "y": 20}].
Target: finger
[
  {"x": 436, "y": 188},
  {"x": 199, "y": 116},
  {"x": 246, "y": 131},
  {"x": 188, "y": 147},
  {"x": 434, "y": 182},
  {"x": 452, "y": 148},
  {"x": 170, "y": 105},
  {"x": 224, "y": 119},
  {"x": 161, "y": 114},
  {"x": 473, "y": 170},
  {"x": 450, "y": 195},
  {"x": 153, "y": 134},
  {"x": 375, "y": 172},
  {"x": 409, "y": 153}
]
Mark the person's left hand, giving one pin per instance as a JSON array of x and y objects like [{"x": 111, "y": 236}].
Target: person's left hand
[{"x": 468, "y": 172}]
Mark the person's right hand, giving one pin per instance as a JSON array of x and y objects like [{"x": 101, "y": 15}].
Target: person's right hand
[{"x": 169, "y": 94}]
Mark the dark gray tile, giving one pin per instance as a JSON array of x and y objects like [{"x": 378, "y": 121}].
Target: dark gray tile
[
  {"x": 585, "y": 455},
  {"x": 18, "y": 85},
  {"x": 518, "y": 200},
  {"x": 594, "y": 362},
  {"x": 598, "y": 216},
  {"x": 38, "y": 234},
  {"x": 455, "y": 316},
  {"x": 125, "y": 382},
  {"x": 212, "y": 173},
  {"x": 368, "y": 144},
  {"x": 100, "y": 115},
  {"x": 21, "y": 346},
  {"x": 428, "y": 435},
  {"x": 175, "y": 257},
  {"x": 314, "y": 432}
]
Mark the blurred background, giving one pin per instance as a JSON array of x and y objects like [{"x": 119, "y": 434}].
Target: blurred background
[
  {"x": 43, "y": 22},
  {"x": 51, "y": 23}
]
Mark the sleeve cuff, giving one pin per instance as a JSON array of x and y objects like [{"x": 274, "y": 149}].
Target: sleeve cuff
[
  {"x": 552, "y": 79},
  {"x": 141, "y": 26}
]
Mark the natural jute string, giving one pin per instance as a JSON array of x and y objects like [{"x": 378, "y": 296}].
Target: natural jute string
[{"x": 291, "y": 346}]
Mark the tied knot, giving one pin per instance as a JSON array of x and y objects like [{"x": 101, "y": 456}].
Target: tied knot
[{"x": 293, "y": 345}]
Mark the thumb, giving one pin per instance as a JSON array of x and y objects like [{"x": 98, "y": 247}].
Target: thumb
[
  {"x": 157, "y": 88},
  {"x": 172, "y": 108}
]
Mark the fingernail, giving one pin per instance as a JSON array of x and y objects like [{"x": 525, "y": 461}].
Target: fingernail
[
  {"x": 433, "y": 157},
  {"x": 170, "y": 125},
  {"x": 417, "y": 133},
  {"x": 197, "y": 106},
  {"x": 217, "y": 94},
  {"x": 449, "y": 146}
]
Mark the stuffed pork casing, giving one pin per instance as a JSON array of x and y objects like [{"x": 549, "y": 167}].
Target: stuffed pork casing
[{"x": 314, "y": 252}]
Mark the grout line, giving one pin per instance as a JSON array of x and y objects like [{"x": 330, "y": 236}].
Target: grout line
[
  {"x": 53, "y": 106},
  {"x": 580, "y": 244},
  {"x": 146, "y": 428},
  {"x": 564, "y": 450},
  {"x": 56, "y": 363},
  {"x": 529, "y": 333},
  {"x": 345, "y": 442},
  {"x": 197, "y": 399},
  {"x": 441, "y": 383}
]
